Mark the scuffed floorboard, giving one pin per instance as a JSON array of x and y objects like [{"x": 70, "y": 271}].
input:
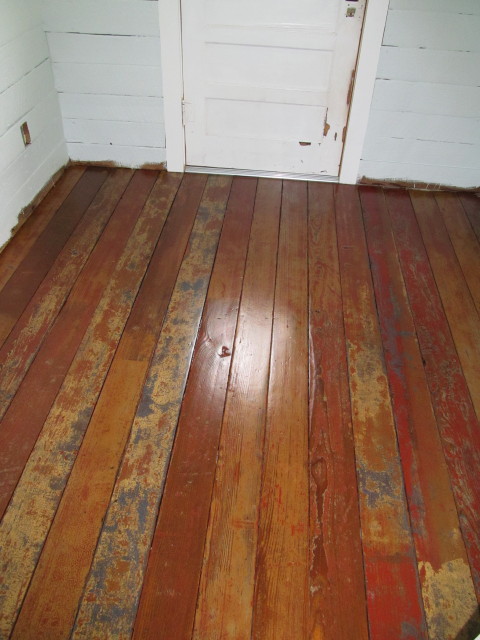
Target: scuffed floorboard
[{"x": 240, "y": 408}]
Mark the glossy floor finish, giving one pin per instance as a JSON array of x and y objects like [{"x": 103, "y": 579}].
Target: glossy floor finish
[{"x": 240, "y": 408}]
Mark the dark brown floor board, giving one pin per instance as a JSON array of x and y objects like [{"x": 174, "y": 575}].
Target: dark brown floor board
[
  {"x": 16, "y": 250},
  {"x": 471, "y": 204},
  {"x": 17, "y": 292}
]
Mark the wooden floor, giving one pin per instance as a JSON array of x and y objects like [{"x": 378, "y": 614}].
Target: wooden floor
[{"x": 240, "y": 409}]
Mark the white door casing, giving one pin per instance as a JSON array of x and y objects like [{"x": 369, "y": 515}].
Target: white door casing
[{"x": 170, "y": 27}]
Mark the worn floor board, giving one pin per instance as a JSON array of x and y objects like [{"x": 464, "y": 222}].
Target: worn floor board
[
  {"x": 54, "y": 593},
  {"x": 453, "y": 289},
  {"x": 454, "y": 411},
  {"x": 228, "y": 577},
  {"x": 471, "y": 204},
  {"x": 440, "y": 549},
  {"x": 23, "y": 420},
  {"x": 464, "y": 241},
  {"x": 240, "y": 408},
  {"x": 114, "y": 584},
  {"x": 27, "y": 276},
  {"x": 281, "y": 589},
  {"x": 189, "y": 482},
  {"x": 390, "y": 566},
  {"x": 27, "y": 235},
  {"x": 23, "y": 342},
  {"x": 335, "y": 545}
]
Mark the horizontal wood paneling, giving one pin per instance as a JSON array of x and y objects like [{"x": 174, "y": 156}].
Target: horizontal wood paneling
[
  {"x": 19, "y": 98},
  {"x": 38, "y": 119},
  {"x": 416, "y": 65},
  {"x": 428, "y": 152},
  {"x": 17, "y": 18},
  {"x": 433, "y": 30},
  {"x": 26, "y": 94},
  {"x": 20, "y": 56},
  {"x": 106, "y": 61},
  {"x": 398, "y": 96},
  {"x": 459, "y": 6},
  {"x": 424, "y": 117},
  {"x": 16, "y": 176},
  {"x": 420, "y": 126},
  {"x": 124, "y": 80},
  {"x": 93, "y": 106},
  {"x": 128, "y": 17},
  {"x": 101, "y": 49},
  {"x": 135, "y": 134}
]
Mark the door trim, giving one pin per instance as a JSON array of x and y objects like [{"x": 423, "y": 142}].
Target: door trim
[
  {"x": 365, "y": 75},
  {"x": 172, "y": 74}
]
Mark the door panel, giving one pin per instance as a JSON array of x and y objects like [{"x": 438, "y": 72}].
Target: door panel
[{"x": 266, "y": 82}]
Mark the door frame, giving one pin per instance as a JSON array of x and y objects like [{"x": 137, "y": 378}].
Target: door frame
[{"x": 367, "y": 63}]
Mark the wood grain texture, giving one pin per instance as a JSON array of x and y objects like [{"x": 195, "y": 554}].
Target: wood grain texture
[
  {"x": 12, "y": 254},
  {"x": 54, "y": 593},
  {"x": 335, "y": 543},
  {"x": 471, "y": 204},
  {"x": 281, "y": 590},
  {"x": 183, "y": 517},
  {"x": 228, "y": 576},
  {"x": 23, "y": 420},
  {"x": 456, "y": 419},
  {"x": 26, "y": 523},
  {"x": 389, "y": 555},
  {"x": 240, "y": 408},
  {"x": 23, "y": 342},
  {"x": 17, "y": 292},
  {"x": 464, "y": 241},
  {"x": 111, "y": 597},
  {"x": 454, "y": 292},
  {"x": 450, "y": 608}
]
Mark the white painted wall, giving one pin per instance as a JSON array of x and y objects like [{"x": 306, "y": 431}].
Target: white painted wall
[
  {"x": 27, "y": 93},
  {"x": 424, "y": 123},
  {"x": 107, "y": 68}
]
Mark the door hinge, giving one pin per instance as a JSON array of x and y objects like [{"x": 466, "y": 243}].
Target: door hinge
[
  {"x": 187, "y": 113},
  {"x": 350, "y": 88},
  {"x": 184, "y": 120}
]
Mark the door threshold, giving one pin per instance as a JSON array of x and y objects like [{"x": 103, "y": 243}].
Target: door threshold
[{"x": 253, "y": 173}]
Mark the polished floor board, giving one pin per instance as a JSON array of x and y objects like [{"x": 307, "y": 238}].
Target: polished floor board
[{"x": 240, "y": 408}]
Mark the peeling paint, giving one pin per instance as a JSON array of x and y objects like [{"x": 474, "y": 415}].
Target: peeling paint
[
  {"x": 126, "y": 536},
  {"x": 450, "y": 604}
]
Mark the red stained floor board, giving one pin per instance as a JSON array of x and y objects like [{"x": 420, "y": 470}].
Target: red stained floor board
[
  {"x": 440, "y": 549},
  {"x": 390, "y": 564}
]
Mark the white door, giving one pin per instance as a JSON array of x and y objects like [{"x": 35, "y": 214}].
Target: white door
[{"x": 267, "y": 82}]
